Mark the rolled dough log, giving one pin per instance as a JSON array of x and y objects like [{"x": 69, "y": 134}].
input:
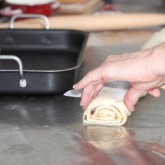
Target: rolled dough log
[{"x": 107, "y": 108}]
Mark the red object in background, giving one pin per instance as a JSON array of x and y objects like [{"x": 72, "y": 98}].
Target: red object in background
[
  {"x": 108, "y": 7},
  {"x": 44, "y": 8}
]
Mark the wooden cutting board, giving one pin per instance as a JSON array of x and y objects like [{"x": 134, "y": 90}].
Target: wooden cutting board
[{"x": 95, "y": 22}]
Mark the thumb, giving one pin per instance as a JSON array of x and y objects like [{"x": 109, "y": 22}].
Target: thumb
[{"x": 132, "y": 97}]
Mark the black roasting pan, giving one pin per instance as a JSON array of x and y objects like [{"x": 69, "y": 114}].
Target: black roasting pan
[{"x": 39, "y": 61}]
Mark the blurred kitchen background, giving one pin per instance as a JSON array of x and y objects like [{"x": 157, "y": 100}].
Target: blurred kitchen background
[{"x": 9, "y": 8}]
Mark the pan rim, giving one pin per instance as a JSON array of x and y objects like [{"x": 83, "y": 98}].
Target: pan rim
[{"x": 44, "y": 71}]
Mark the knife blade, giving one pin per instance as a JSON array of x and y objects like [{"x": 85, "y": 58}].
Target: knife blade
[
  {"x": 73, "y": 93},
  {"x": 111, "y": 84}
]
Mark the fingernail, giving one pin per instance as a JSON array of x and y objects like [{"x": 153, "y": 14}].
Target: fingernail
[
  {"x": 163, "y": 87},
  {"x": 74, "y": 86},
  {"x": 83, "y": 107},
  {"x": 81, "y": 104},
  {"x": 131, "y": 108}
]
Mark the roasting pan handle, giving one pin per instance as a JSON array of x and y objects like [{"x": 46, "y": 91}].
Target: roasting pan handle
[
  {"x": 22, "y": 82},
  {"x": 13, "y": 18}
]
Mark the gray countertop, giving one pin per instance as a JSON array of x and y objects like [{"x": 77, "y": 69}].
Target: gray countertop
[{"x": 48, "y": 130}]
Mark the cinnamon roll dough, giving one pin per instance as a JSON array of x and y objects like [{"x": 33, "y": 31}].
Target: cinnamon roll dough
[{"x": 107, "y": 108}]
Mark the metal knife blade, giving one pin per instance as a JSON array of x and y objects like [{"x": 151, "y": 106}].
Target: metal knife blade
[{"x": 73, "y": 93}]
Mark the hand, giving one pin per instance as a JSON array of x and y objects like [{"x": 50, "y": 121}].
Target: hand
[{"x": 143, "y": 69}]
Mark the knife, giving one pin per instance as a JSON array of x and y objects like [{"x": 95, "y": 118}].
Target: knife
[
  {"x": 73, "y": 93},
  {"x": 111, "y": 84}
]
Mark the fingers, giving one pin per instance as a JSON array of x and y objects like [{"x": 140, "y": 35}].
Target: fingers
[
  {"x": 89, "y": 93},
  {"x": 163, "y": 87},
  {"x": 97, "y": 89},
  {"x": 86, "y": 96},
  {"x": 92, "y": 77},
  {"x": 154, "y": 92},
  {"x": 132, "y": 98}
]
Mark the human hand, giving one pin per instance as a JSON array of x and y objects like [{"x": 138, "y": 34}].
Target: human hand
[{"x": 143, "y": 69}]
